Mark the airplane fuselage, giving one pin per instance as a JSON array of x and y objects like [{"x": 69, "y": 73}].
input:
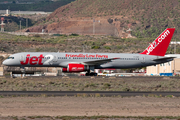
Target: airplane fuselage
[{"x": 52, "y": 59}]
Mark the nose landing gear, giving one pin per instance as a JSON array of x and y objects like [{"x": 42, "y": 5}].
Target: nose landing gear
[{"x": 23, "y": 71}]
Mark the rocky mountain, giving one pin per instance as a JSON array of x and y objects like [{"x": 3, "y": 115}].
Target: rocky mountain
[{"x": 146, "y": 18}]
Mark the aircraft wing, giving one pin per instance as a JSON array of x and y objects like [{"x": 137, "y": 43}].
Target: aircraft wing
[
  {"x": 98, "y": 62},
  {"x": 165, "y": 58}
]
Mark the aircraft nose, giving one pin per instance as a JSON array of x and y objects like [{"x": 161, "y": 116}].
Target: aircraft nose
[{"x": 5, "y": 62}]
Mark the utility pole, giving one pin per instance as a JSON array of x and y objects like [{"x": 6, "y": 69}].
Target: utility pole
[
  {"x": 175, "y": 47},
  {"x": 83, "y": 48},
  {"x": 174, "y": 58},
  {"x": 2, "y": 24},
  {"x": 26, "y": 22},
  {"x": 20, "y": 25},
  {"x": 93, "y": 26}
]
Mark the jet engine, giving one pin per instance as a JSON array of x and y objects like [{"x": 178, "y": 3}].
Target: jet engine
[{"x": 75, "y": 68}]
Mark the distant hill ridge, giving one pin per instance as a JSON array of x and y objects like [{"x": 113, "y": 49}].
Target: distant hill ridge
[
  {"x": 147, "y": 18},
  {"x": 33, "y": 5}
]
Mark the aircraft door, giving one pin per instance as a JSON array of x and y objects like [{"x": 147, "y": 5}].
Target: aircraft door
[
  {"x": 143, "y": 59},
  {"x": 55, "y": 58},
  {"x": 22, "y": 58}
]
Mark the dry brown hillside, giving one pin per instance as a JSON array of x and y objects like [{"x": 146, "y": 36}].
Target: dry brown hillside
[{"x": 147, "y": 18}]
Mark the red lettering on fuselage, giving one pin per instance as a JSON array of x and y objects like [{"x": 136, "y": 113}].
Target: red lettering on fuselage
[
  {"x": 27, "y": 60},
  {"x": 40, "y": 59},
  {"x": 34, "y": 60},
  {"x": 86, "y": 56}
]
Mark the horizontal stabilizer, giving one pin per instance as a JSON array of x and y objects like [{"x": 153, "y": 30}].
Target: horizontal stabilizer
[{"x": 165, "y": 58}]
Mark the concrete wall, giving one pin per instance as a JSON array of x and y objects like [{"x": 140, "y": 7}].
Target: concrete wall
[
  {"x": 28, "y": 12},
  {"x": 23, "y": 12},
  {"x": 165, "y": 68},
  {"x": 177, "y": 65}
]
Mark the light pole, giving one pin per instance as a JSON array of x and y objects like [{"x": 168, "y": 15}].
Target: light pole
[
  {"x": 174, "y": 58},
  {"x": 20, "y": 25},
  {"x": 26, "y": 22}
]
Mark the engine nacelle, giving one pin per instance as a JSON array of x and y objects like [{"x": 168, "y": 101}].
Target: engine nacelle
[
  {"x": 64, "y": 70},
  {"x": 75, "y": 68}
]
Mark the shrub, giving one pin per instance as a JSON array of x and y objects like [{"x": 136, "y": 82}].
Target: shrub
[
  {"x": 107, "y": 85},
  {"x": 23, "y": 89},
  {"x": 36, "y": 35},
  {"x": 73, "y": 34},
  {"x": 119, "y": 47},
  {"x": 110, "y": 20},
  {"x": 56, "y": 35},
  {"x": 107, "y": 47},
  {"x": 95, "y": 47}
]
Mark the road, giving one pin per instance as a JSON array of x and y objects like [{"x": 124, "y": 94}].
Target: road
[
  {"x": 107, "y": 77},
  {"x": 87, "y": 93}
]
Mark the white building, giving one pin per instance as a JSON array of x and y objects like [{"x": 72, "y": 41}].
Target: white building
[{"x": 169, "y": 67}]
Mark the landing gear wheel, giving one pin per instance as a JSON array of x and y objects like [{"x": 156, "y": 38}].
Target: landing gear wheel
[
  {"x": 91, "y": 74},
  {"x": 23, "y": 71},
  {"x": 87, "y": 74}
]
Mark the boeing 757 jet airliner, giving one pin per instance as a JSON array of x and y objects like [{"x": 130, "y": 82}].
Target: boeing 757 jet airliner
[{"x": 81, "y": 62}]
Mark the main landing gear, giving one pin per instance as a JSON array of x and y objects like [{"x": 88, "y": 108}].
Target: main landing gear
[{"x": 91, "y": 74}]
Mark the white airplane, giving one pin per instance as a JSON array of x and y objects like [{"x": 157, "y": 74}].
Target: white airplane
[{"x": 87, "y": 62}]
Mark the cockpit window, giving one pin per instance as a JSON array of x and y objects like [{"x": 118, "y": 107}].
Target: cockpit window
[{"x": 10, "y": 58}]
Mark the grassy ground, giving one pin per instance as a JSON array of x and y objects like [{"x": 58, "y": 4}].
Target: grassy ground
[
  {"x": 89, "y": 84},
  {"x": 74, "y": 43}
]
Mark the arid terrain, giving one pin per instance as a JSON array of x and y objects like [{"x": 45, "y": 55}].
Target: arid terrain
[
  {"x": 88, "y": 107},
  {"x": 55, "y": 107},
  {"x": 90, "y": 84},
  {"x": 92, "y": 26},
  {"x": 75, "y": 43}
]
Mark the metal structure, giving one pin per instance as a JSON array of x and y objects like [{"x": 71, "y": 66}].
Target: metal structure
[
  {"x": 2, "y": 24},
  {"x": 129, "y": 31},
  {"x": 94, "y": 27}
]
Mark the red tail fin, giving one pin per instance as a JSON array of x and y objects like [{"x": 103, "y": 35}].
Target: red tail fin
[{"x": 160, "y": 45}]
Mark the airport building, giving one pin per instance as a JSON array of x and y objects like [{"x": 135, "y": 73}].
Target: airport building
[
  {"x": 8, "y": 12},
  {"x": 166, "y": 69},
  {"x": 1, "y": 71}
]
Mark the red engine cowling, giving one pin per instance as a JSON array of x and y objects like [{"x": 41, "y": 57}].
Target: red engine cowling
[
  {"x": 75, "y": 68},
  {"x": 64, "y": 70}
]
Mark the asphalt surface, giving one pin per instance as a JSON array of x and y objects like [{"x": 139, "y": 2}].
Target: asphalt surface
[
  {"x": 104, "y": 77},
  {"x": 86, "y": 93}
]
